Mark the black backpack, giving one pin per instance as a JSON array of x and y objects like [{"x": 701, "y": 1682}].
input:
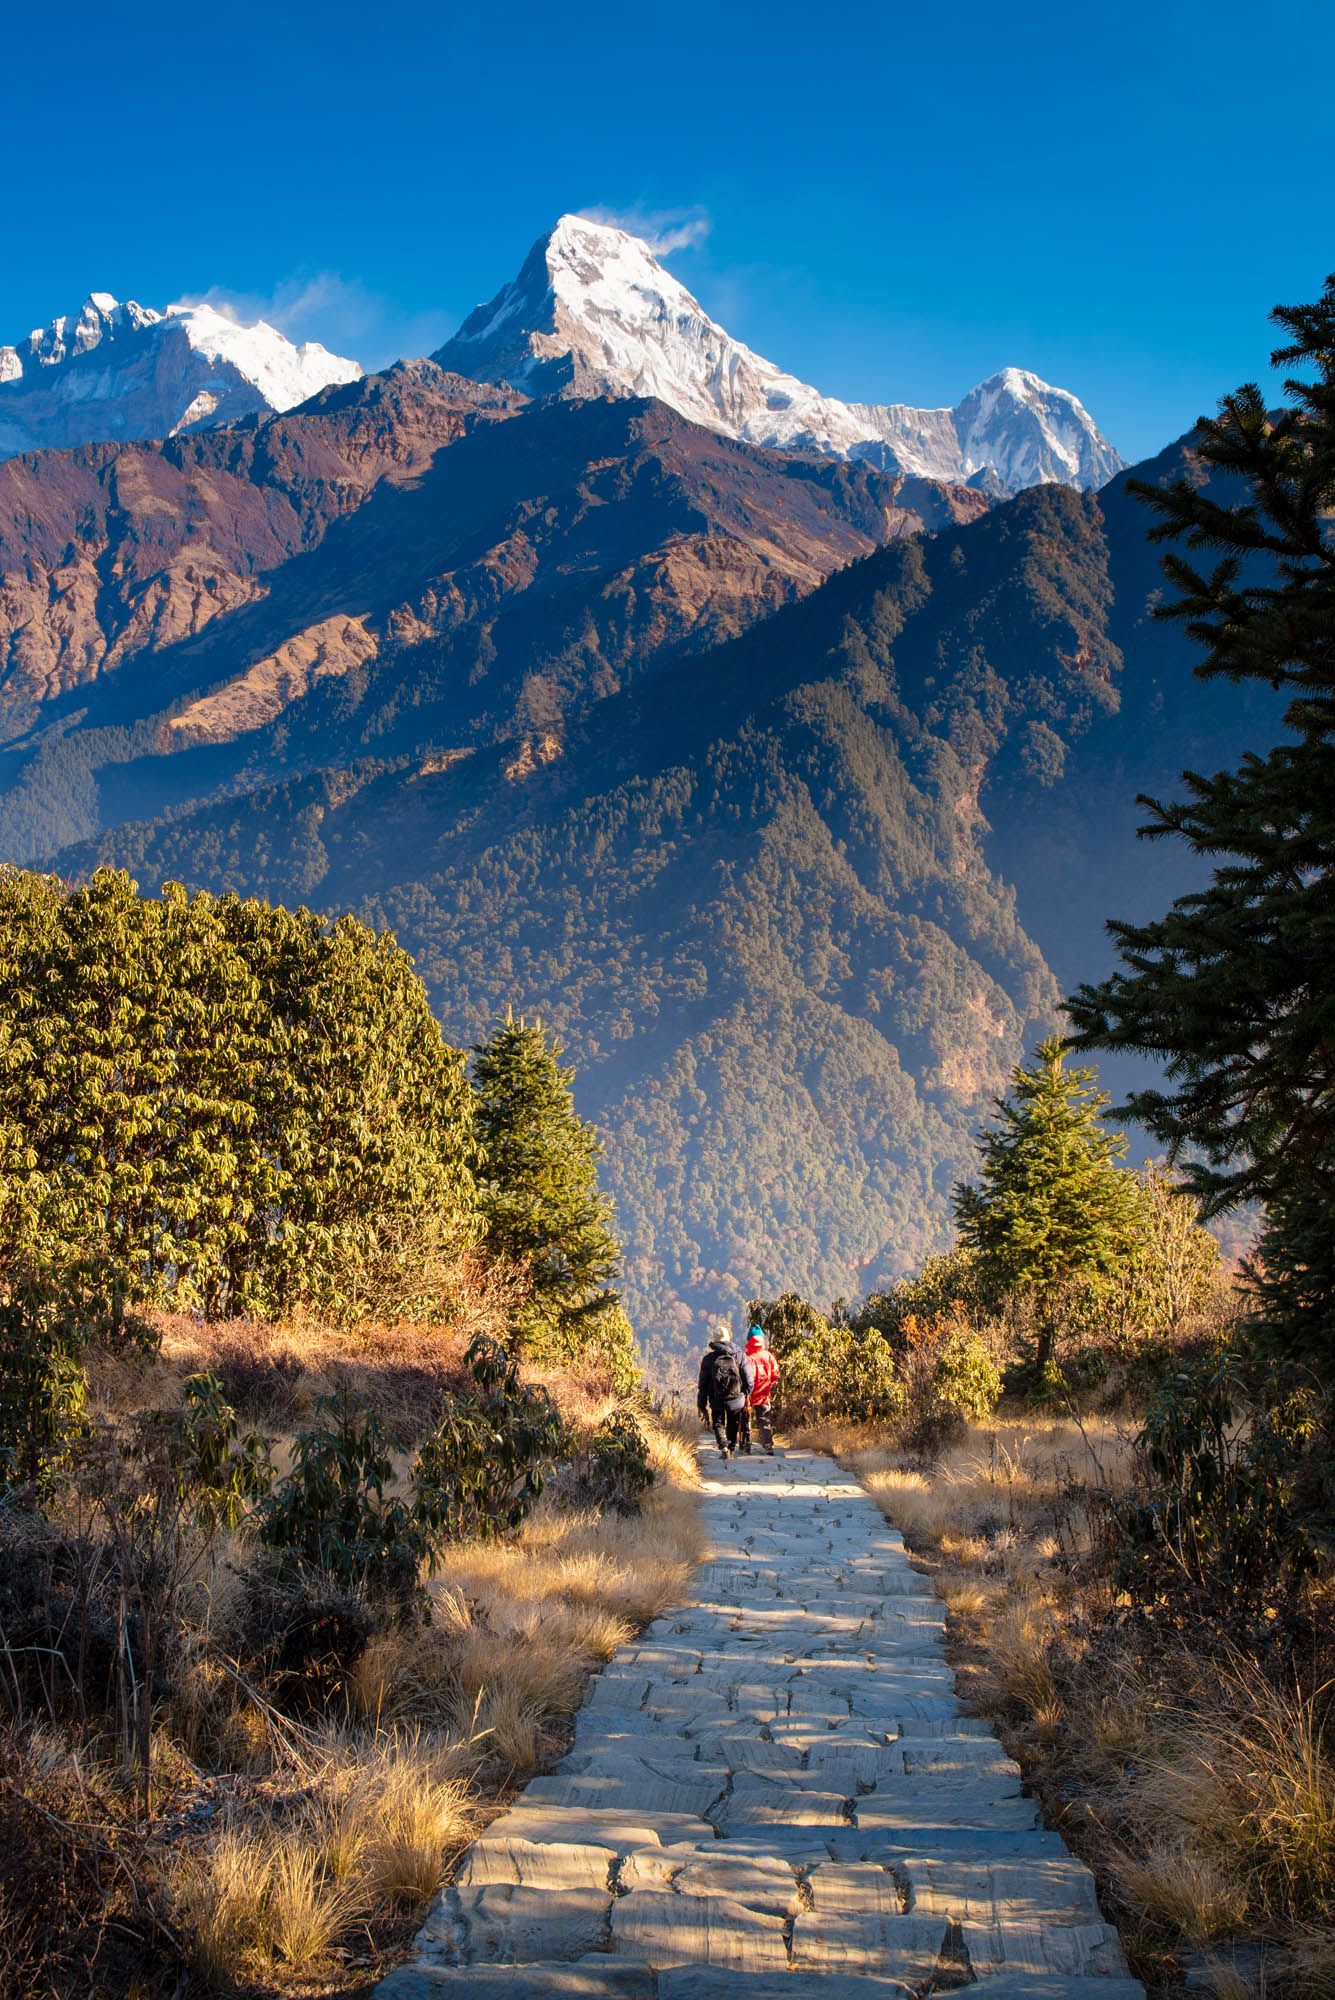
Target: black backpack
[{"x": 726, "y": 1379}]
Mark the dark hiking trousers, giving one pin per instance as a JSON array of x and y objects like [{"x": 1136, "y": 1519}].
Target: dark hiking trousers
[
  {"x": 727, "y": 1425},
  {"x": 760, "y": 1417}
]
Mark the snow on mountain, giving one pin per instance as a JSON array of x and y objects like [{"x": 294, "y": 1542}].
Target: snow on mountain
[
  {"x": 593, "y": 312},
  {"x": 117, "y": 371}
]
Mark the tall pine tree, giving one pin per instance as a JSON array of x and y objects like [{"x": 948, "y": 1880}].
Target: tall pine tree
[
  {"x": 1234, "y": 989},
  {"x": 1053, "y": 1209},
  {"x": 541, "y": 1204}
]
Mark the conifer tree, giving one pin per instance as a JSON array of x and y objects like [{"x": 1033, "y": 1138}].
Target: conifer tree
[
  {"x": 1053, "y": 1208},
  {"x": 541, "y": 1205},
  {"x": 1234, "y": 989}
]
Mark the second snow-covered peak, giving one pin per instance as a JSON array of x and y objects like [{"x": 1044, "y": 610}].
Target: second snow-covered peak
[
  {"x": 117, "y": 371},
  {"x": 594, "y": 312}
]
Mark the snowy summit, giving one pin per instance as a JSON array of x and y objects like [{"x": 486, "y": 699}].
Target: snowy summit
[
  {"x": 593, "y": 312},
  {"x": 116, "y": 371}
]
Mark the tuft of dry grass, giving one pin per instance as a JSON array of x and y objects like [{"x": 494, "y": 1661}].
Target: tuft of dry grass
[
  {"x": 305, "y": 1909},
  {"x": 218, "y": 1901},
  {"x": 1189, "y": 1890},
  {"x": 369, "y": 1836},
  {"x": 1247, "y": 1779}
]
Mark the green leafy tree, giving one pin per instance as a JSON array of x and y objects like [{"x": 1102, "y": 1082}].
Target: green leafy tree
[
  {"x": 1053, "y": 1210},
  {"x": 1232, "y": 990},
  {"x": 948, "y": 1284},
  {"x": 828, "y": 1371},
  {"x": 542, "y": 1208},
  {"x": 336, "y": 1510},
  {"x": 1171, "y": 1268},
  {"x": 241, "y": 1107},
  {"x": 48, "y": 1322}
]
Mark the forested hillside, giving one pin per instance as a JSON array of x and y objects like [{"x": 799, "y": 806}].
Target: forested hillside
[{"x": 759, "y": 896}]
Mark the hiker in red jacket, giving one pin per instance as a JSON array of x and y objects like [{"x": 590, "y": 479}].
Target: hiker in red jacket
[{"x": 766, "y": 1371}]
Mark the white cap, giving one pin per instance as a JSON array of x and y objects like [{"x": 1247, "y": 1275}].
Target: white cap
[{"x": 722, "y": 1331}]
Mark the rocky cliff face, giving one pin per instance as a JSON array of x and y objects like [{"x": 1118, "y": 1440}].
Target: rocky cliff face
[
  {"x": 116, "y": 371},
  {"x": 593, "y": 312}
]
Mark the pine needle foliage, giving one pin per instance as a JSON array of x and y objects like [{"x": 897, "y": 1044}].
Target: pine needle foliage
[
  {"x": 1052, "y": 1209},
  {"x": 541, "y": 1204},
  {"x": 1233, "y": 991}
]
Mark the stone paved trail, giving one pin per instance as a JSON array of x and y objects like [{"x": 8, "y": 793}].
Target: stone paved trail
[{"x": 773, "y": 1793}]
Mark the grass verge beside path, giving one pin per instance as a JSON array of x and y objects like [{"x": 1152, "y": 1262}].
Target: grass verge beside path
[
  {"x": 1197, "y": 1786},
  {"x": 305, "y": 1812}
]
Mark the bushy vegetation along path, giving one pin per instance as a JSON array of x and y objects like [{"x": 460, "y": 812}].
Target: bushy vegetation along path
[{"x": 774, "y": 1792}]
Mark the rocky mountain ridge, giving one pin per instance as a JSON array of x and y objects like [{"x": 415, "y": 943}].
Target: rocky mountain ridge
[{"x": 594, "y": 312}]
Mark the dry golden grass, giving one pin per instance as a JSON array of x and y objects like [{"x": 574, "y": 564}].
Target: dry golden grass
[
  {"x": 1192, "y": 1892},
  {"x": 219, "y": 1904},
  {"x": 368, "y": 1835},
  {"x": 326, "y": 1837},
  {"x": 1248, "y": 1780},
  {"x": 518, "y": 1625}
]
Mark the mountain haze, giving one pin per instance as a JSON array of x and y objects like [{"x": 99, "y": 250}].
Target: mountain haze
[{"x": 789, "y": 901}]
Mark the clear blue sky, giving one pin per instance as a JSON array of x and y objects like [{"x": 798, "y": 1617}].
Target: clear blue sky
[{"x": 899, "y": 199}]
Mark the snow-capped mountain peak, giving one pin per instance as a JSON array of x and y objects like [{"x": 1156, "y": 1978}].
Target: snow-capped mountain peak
[
  {"x": 594, "y": 312},
  {"x": 118, "y": 370}
]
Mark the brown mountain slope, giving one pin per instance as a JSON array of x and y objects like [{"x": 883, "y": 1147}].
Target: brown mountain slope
[
  {"x": 410, "y": 558},
  {"x": 108, "y": 551}
]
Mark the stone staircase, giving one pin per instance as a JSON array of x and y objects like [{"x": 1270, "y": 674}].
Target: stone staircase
[{"x": 773, "y": 1795}]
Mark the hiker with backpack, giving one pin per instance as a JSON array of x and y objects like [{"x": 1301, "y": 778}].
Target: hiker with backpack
[
  {"x": 724, "y": 1391},
  {"x": 765, "y": 1372}
]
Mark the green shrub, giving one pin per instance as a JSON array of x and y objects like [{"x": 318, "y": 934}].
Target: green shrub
[
  {"x": 1221, "y": 1522},
  {"x": 946, "y": 1285},
  {"x": 242, "y": 1107},
  {"x": 47, "y": 1324},
  {"x": 332, "y": 1512},
  {"x": 222, "y": 1469},
  {"x": 484, "y": 1467},
  {"x": 614, "y": 1470},
  {"x": 830, "y": 1371},
  {"x": 965, "y": 1377}
]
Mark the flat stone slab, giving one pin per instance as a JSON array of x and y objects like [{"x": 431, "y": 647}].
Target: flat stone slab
[
  {"x": 773, "y": 1795},
  {"x": 700, "y": 1982},
  {"x": 611, "y": 1979},
  {"x": 668, "y": 1929},
  {"x": 511, "y": 1924},
  {"x": 578, "y": 1824},
  {"x": 536, "y": 1864},
  {"x": 877, "y": 1943}
]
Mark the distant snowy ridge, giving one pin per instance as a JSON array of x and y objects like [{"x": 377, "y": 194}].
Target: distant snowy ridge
[
  {"x": 593, "y": 312},
  {"x": 117, "y": 371}
]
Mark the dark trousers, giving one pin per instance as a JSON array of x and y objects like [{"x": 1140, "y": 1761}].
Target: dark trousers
[
  {"x": 760, "y": 1417},
  {"x": 729, "y": 1426}
]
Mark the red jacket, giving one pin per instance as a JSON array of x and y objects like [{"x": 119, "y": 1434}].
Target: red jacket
[{"x": 766, "y": 1368}]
